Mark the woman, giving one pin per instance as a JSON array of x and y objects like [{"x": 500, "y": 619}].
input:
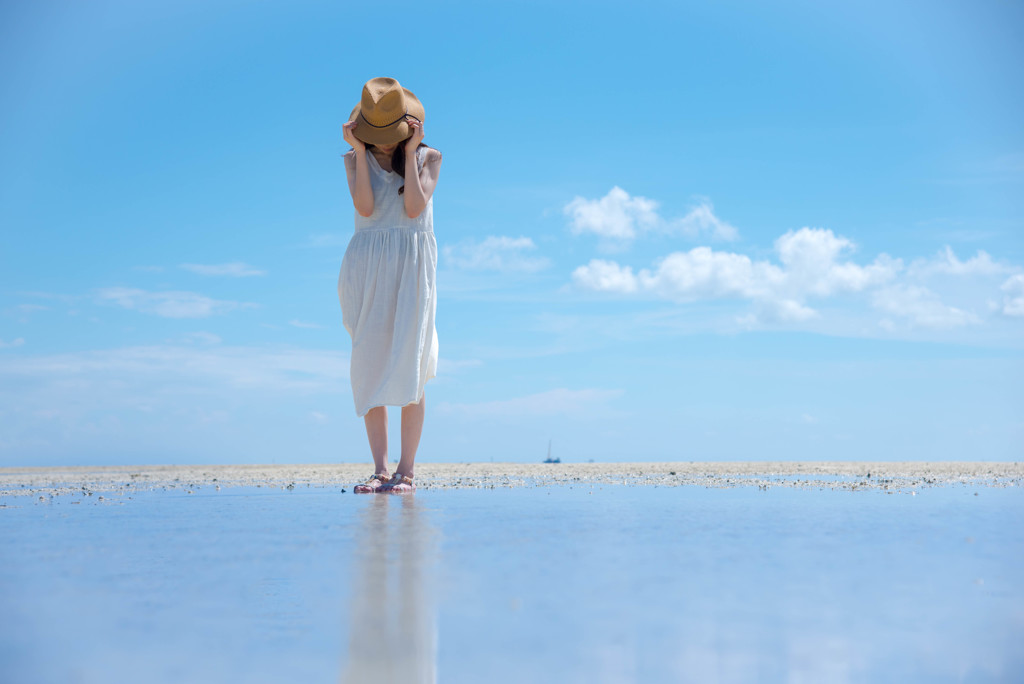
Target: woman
[{"x": 387, "y": 281}]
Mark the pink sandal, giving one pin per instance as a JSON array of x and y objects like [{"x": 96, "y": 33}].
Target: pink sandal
[
  {"x": 399, "y": 484},
  {"x": 376, "y": 483}
]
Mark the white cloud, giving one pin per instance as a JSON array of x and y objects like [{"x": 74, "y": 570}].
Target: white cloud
[
  {"x": 786, "y": 311},
  {"x": 812, "y": 264},
  {"x": 187, "y": 368},
  {"x": 234, "y": 269},
  {"x": 1013, "y": 300},
  {"x": 920, "y": 306},
  {"x": 303, "y": 324},
  {"x": 703, "y": 273},
  {"x": 616, "y": 215},
  {"x": 556, "y": 402},
  {"x": 17, "y": 342},
  {"x": 495, "y": 253},
  {"x": 702, "y": 222},
  {"x": 606, "y": 276},
  {"x": 154, "y": 398},
  {"x": 776, "y": 311},
  {"x": 158, "y": 399},
  {"x": 947, "y": 263},
  {"x": 618, "y": 218},
  {"x": 169, "y": 304},
  {"x": 809, "y": 268},
  {"x": 809, "y": 256}
]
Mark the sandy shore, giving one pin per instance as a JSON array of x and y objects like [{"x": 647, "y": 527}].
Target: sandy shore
[{"x": 86, "y": 481}]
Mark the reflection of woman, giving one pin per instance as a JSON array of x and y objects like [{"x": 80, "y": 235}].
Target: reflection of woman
[
  {"x": 396, "y": 615},
  {"x": 387, "y": 281}
]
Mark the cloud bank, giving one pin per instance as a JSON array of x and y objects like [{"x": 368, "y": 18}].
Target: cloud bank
[
  {"x": 618, "y": 218},
  {"x": 812, "y": 267},
  {"x": 235, "y": 269},
  {"x": 168, "y": 304},
  {"x": 496, "y": 253},
  {"x": 1013, "y": 299}
]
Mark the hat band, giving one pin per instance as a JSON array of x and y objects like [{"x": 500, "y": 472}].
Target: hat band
[{"x": 389, "y": 124}]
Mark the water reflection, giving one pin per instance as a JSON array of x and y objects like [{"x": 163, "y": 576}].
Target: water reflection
[{"x": 393, "y": 634}]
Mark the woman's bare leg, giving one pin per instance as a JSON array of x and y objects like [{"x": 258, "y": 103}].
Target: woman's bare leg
[
  {"x": 376, "y": 420},
  {"x": 412, "y": 428}
]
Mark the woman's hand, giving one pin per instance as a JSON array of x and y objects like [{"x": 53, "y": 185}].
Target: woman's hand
[
  {"x": 417, "y": 135},
  {"x": 348, "y": 132}
]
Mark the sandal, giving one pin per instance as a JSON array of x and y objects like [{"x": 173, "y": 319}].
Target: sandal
[
  {"x": 375, "y": 483},
  {"x": 400, "y": 483}
]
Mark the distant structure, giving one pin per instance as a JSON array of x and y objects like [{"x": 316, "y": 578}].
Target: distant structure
[{"x": 549, "y": 459}]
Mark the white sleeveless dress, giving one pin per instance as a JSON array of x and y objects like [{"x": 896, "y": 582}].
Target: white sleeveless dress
[{"x": 387, "y": 287}]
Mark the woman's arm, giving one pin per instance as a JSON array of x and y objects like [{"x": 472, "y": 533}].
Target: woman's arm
[
  {"x": 358, "y": 171},
  {"x": 419, "y": 184}
]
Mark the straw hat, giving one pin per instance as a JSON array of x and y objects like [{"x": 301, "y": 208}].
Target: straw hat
[{"x": 382, "y": 111}]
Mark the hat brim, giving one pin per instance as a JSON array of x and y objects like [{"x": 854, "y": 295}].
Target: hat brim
[{"x": 388, "y": 135}]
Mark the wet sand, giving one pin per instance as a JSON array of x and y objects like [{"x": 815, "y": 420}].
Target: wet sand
[{"x": 848, "y": 475}]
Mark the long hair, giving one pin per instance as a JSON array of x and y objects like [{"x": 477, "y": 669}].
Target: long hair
[{"x": 398, "y": 160}]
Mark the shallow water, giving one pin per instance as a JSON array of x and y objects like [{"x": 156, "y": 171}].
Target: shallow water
[{"x": 566, "y": 584}]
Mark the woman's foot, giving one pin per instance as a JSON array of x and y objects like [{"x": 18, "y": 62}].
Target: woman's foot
[
  {"x": 376, "y": 483},
  {"x": 399, "y": 483}
]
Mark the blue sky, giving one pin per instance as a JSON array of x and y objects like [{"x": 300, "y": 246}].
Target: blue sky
[{"x": 674, "y": 231}]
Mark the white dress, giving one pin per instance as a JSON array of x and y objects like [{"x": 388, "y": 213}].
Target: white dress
[{"x": 388, "y": 296}]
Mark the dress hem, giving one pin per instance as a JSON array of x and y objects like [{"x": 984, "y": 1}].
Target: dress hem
[{"x": 408, "y": 403}]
